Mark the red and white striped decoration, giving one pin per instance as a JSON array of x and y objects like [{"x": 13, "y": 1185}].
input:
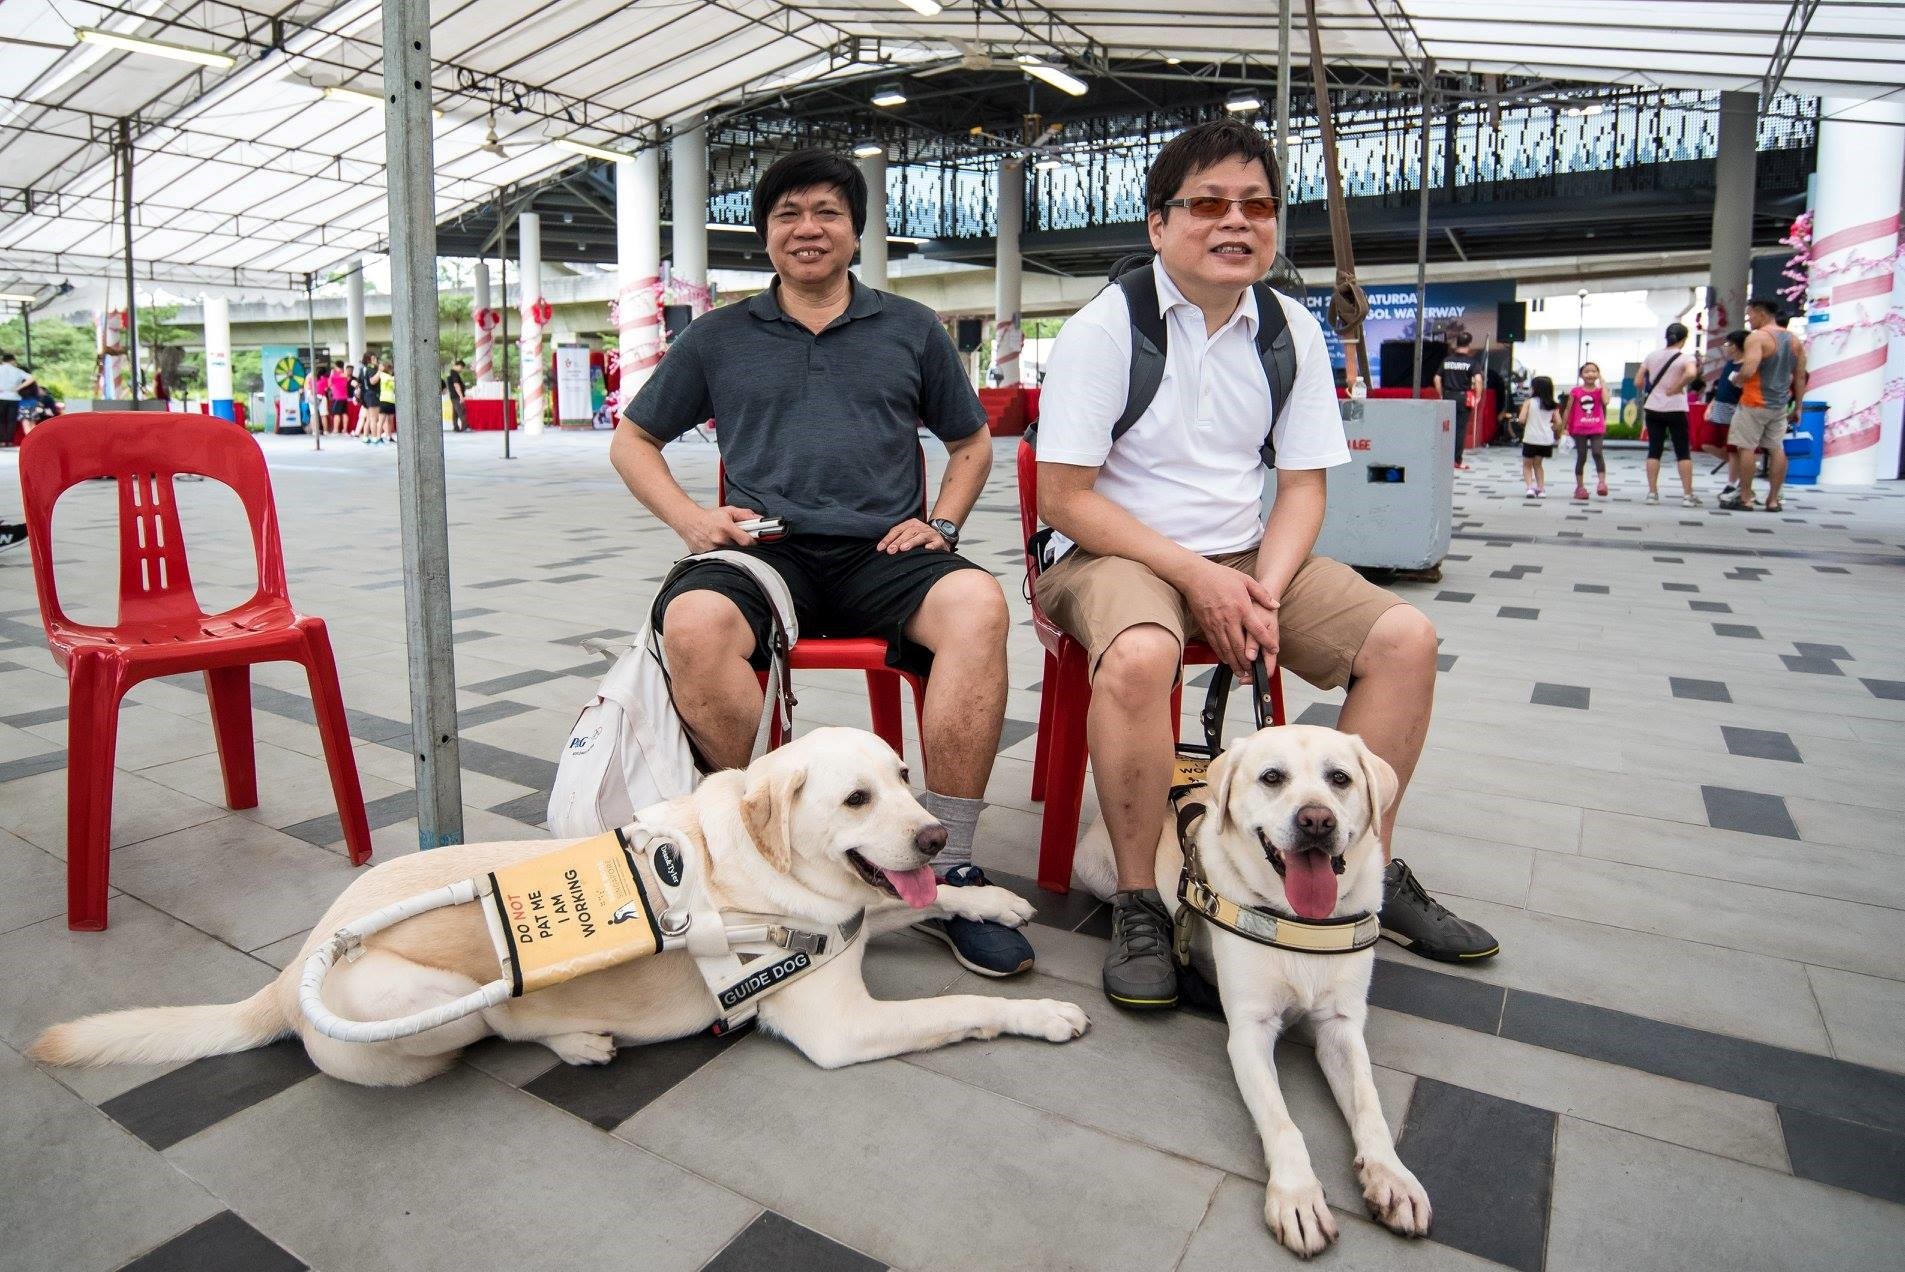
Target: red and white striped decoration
[
  {"x": 484, "y": 358},
  {"x": 637, "y": 317},
  {"x": 1008, "y": 338}
]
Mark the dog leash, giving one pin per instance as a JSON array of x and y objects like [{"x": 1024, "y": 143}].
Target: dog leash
[{"x": 628, "y": 894}]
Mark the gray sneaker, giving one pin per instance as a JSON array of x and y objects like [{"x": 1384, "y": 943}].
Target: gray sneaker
[
  {"x": 1139, "y": 973},
  {"x": 1422, "y": 925}
]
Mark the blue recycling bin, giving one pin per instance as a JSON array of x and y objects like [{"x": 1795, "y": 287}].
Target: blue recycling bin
[{"x": 1805, "y": 445}]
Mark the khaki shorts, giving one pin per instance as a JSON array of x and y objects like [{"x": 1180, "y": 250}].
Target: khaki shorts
[
  {"x": 1327, "y": 611},
  {"x": 1757, "y": 427}
]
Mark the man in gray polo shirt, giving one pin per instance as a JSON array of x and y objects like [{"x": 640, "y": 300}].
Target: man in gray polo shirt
[{"x": 818, "y": 386}]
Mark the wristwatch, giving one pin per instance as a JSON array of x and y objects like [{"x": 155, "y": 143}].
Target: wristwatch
[{"x": 948, "y": 530}]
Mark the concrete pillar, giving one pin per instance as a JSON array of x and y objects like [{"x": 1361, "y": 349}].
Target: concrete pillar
[
  {"x": 529, "y": 235},
  {"x": 1854, "y": 235},
  {"x": 483, "y": 318},
  {"x": 873, "y": 241},
  {"x": 1732, "y": 258},
  {"x": 638, "y": 257},
  {"x": 354, "y": 312},
  {"x": 688, "y": 164},
  {"x": 1007, "y": 338},
  {"x": 218, "y": 356}
]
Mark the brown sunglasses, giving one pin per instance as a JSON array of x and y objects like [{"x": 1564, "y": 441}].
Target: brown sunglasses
[{"x": 1211, "y": 207}]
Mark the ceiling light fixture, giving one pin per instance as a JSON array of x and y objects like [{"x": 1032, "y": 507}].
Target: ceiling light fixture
[
  {"x": 1048, "y": 163},
  {"x": 1173, "y": 61},
  {"x": 157, "y": 48},
  {"x": 925, "y": 8},
  {"x": 906, "y": 238},
  {"x": 1057, "y": 77},
  {"x": 889, "y": 95},
  {"x": 1243, "y": 102},
  {"x": 868, "y": 147},
  {"x": 22, "y": 298},
  {"x": 575, "y": 147}
]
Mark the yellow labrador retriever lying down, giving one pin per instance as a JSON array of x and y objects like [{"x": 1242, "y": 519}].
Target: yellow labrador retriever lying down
[
  {"x": 1291, "y": 830},
  {"x": 817, "y": 831}
]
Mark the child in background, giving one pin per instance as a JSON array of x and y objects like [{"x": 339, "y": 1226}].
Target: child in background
[
  {"x": 1537, "y": 434},
  {"x": 1587, "y": 425},
  {"x": 386, "y": 401},
  {"x": 1725, "y": 398}
]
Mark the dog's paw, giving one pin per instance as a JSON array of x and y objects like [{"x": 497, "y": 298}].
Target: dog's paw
[
  {"x": 1051, "y": 1020},
  {"x": 1299, "y": 1217},
  {"x": 582, "y": 1048},
  {"x": 1395, "y": 1197},
  {"x": 989, "y": 904}
]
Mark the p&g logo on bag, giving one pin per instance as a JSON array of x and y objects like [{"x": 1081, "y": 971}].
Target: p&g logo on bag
[
  {"x": 583, "y": 745},
  {"x": 668, "y": 864}
]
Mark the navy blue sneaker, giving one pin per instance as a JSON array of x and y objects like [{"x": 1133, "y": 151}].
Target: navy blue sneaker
[{"x": 990, "y": 949}]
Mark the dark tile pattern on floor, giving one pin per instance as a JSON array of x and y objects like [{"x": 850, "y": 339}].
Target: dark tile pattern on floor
[
  {"x": 1547, "y": 695},
  {"x": 1744, "y": 631},
  {"x": 1811, "y": 666},
  {"x": 1700, "y": 690},
  {"x": 608, "y": 1095},
  {"x": 1488, "y": 1166},
  {"x": 775, "y": 1243},
  {"x": 1324, "y": 714},
  {"x": 180, "y": 1104},
  {"x": 223, "y": 1243},
  {"x": 1864, "y": 1159},
  {"x": 1416, "y": 990},
  {"x": 1761, "y": 744},
  {"x": 1753, "y": 812}
]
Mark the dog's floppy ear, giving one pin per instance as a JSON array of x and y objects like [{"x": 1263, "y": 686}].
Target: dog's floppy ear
[
  {"x": 1219, "y": 777},
  {"x": 1379, "y": 780},
  {"x": 767, "y": 810}
]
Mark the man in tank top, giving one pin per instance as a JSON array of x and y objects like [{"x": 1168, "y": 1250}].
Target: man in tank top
[{"x": 1771, "y": 378}]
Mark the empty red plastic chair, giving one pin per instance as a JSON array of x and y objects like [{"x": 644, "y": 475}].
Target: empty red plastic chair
[
  {"x": 162, "y": 631},
  {"x": 1058, "y": 760}
]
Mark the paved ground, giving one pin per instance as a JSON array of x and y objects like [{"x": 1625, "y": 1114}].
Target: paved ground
[{"x": 1664, "y": 770}]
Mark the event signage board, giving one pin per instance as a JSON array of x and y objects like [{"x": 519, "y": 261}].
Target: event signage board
[
  {"x": 573, "y": 388},
  {"x": 1392, "y": 312}
]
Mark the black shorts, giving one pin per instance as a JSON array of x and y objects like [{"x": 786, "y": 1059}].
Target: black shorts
[
  {"x": 1530, "y": 451},
  {"x": 841, "y": 587},
  {"x": 1664, "y": 424}
]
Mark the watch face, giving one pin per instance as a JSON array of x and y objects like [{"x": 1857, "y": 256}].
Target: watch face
[{"x": 946, "y": 529}]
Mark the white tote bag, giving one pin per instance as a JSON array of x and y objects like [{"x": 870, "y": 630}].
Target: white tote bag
[{"x": 629, "y": 748}]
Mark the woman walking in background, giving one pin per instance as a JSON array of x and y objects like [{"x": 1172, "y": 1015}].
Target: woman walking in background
[
  {"x": 367, "y": 399},
  {"x": 1537, "y": 434},
  {"x": 386, "y": 401},
  {"x": 318, "y": 388},
  {"x": 1587, "y": 425},
  {"x": 1664, "y": 378},
  {"x": 337, "y": 387}
]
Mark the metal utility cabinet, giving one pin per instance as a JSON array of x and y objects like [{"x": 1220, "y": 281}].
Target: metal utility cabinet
[{"x": 1390, "y": 507}]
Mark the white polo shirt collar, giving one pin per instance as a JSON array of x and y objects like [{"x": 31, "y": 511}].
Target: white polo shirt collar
[{"x": 1169, "y": 298}]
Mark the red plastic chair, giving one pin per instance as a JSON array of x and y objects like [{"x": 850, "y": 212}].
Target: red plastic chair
[
  {"x": 161, "y": 629},
  {"x": 1058, "y": 762},
  {"x": 857, "y": 653}
]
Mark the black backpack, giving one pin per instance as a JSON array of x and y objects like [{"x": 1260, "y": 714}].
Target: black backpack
[{"x": 1150, "y": 336}]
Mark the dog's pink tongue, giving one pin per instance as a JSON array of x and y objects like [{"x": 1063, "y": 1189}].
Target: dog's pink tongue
[
  {"x": 1309, "y": 883},
  {"x": 918, "y": 887}
]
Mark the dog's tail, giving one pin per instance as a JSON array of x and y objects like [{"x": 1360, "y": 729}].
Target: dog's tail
[{"x": 158, "y": 1035}]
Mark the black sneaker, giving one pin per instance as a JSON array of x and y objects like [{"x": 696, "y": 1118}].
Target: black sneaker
[
  {"x": 12, "y": 534},
  {"x": 1139, "y": 973},
  {"x": 990, "y": 949},
  {"x": 1422, "y": 925}
]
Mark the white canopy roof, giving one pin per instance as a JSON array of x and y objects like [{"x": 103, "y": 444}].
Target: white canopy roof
[{"x": 254, "y": 176}]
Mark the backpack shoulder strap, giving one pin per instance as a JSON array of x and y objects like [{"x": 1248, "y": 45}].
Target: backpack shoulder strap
[
  {"x": 1276, "y": 346},
  {"x": 1149, "y": 342}
]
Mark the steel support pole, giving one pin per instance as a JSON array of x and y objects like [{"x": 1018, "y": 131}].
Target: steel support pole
[
  {"x": 310, "y": 371},
  {"x": 873, "y": 245},
  {"x": 1283, "y": 125},
  {"x": 502, "y": 269},
  {"x": 26, "y": 332},
  {"x": 1422, "y": 221},
  {"x": 410, "y": 164},
  {"x": 125, "y": 212}
]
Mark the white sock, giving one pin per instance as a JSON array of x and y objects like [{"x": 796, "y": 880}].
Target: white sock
[{"x": 960, "y": 817}]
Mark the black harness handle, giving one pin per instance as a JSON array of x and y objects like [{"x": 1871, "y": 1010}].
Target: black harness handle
[{"x": 1219, "y": 693}]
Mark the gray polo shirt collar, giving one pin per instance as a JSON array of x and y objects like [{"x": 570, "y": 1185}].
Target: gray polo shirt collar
[{"x": 863, "y": 302}]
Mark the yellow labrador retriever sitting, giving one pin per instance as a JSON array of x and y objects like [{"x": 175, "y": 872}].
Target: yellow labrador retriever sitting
[
  {"x": 818, "y": 831},
  {"x": 1292, "y": 828}
]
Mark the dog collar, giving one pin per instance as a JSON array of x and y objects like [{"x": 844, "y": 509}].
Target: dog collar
[{"x": 1345, "y": 935}]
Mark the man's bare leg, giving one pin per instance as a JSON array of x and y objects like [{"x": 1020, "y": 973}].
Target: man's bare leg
[
  {"x": 963, "y": 620},
  {"x": 707, "y": 644},
  {"x": 1745, "y": 461},
  {"x": 1775, "y": 470},
  {"x": 1129, "y": 731}
]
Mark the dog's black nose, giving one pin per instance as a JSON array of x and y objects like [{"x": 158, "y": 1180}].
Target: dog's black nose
[
  {"x": 930, "y": 840},
  {"x": 1315, "y": 821}
]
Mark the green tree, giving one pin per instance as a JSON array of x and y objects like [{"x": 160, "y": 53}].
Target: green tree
[
  {"x": 456, "y": 336},
  {"x": 63, "y": 353}
]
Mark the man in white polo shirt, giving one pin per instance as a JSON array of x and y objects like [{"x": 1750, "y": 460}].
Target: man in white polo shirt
[{"x": 1166, "y": 539}]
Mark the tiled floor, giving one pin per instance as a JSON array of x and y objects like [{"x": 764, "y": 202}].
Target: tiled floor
[{"x": 1664, "y": 770}]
